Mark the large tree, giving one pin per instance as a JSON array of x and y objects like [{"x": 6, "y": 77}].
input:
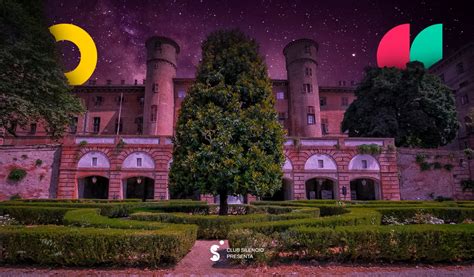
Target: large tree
[
  {"x": 228, "y": 140},
  {"x": 411, "y": 105},
  {"x": 33, "y": 87}
]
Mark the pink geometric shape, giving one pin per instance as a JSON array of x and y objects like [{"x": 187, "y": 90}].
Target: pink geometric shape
[{"x": 394, "y": 48}]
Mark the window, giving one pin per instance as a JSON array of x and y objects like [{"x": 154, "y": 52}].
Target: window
[
  {"x": 181, "y": 93},
  {"x": 308, "y": 71},
  {"x": 307, "y": 49},
  {"x": 463, "y": 84},
  {"x": 464, "y": 99},
  {"x": 118, "y": 127},
  {"x": 342, "y": 83},
  {"x": 281, "y": 116},
  {"x": 96, "y": 126},
  {"x": 468, "y": 124},
  {"x": 307, "y": 88},
  {"x": 154, "y": 87},
  {"x": 98, "y": 101},
  {"x": 280, "y": 95},
  {"x": 32, "y": 128},
  {"x": 141, "y": 100},
  {"x": 322, "y": 101},
  {"x": 139, "y": 122},
  {"x": 139, "y": 162},
  {"x": 364, "y": 164},
  {"x": 324, "y": 126},
  {"x": 459, "y": 68},
  {"x": 119, "y": 99},
  {"x": 73, "y": 124},
  {"x": 311, "y": 119},
  {"x": 311, "y": 109},
  {"x": 344, "y": 101},
  {"x": 320, "y": 163},
  {"x": 153, "y": 113},
  {"x": 94, "y": 161}
]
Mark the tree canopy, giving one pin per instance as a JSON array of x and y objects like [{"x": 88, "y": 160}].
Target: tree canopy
[
  {"x": 228, "y": 140},
  {"x": 411, "y": 105},
  {"x": 33, "y": 87}
]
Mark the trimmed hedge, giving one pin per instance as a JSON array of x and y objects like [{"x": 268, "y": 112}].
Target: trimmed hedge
[
  {"x": 69, "y": 246},
  {"x": 92, "y": 218},
  {"x": 354, "y": 217},
  {"x": 215, "y": 226},
  {"x": 448, "y": 214},
  {"x": 425, "y": 243},
  {"x": 35, "y": 215}
]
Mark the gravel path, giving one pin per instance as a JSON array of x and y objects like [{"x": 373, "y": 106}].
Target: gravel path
[{"x": 198, "y": 263}]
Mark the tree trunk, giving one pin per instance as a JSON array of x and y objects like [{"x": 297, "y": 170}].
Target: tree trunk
[{"x": 223, "y": 207}]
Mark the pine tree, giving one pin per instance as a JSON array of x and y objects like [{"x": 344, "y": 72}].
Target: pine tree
[{"x": 228, "y": 140}]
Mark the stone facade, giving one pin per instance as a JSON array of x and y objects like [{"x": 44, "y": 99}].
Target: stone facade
[
  {"x": 121, "y": 147},
  {"x": 439, "y": 180},
  {"x": 41, "y": 165}
]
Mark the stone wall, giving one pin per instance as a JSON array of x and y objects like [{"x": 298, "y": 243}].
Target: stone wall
[
  {"x": 41, "y": 164},
  {"x": 416, "y": 183}
]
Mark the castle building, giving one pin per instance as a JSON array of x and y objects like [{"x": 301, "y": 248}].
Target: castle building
[{"x": 121, "y": 147}]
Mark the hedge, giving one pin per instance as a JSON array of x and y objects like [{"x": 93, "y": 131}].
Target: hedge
[
  {"x": 35, "y": 215},
  {"x": 215, "y": 226},
  {"x": 448, "y": 214},
  {"x": 70, "y": 246},
  {"x": 92, "y": 218},
  {"x": 354, "y": 217},
  {"x": 425, "y": 243}
]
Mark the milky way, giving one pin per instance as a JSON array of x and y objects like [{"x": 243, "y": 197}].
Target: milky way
[{"x": 348, "y": 32}]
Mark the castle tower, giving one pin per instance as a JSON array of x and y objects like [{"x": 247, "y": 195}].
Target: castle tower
[
  {"x": 158, "y": 114},
  {"x": 303, "y": 96}
]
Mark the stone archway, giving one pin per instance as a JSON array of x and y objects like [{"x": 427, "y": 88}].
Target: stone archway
[
  {"x": 93, "y": 187},
  {"x": 139, "y": 187},
  {"x": 365, "y": 189},
  {"x": 320, "y": 188}
]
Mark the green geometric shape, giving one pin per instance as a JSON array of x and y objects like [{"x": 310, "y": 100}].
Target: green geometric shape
[{"x": 427, "y": 47}]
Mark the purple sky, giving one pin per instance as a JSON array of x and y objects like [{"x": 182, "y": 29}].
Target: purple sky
[{"x": 348, "y": 32}]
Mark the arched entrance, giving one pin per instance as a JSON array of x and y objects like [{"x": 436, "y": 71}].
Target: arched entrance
[
  {"x": 139, "y": 187},
  {"x": 320, "y": 188},
  {"x": 284, "y": 193},
  {"x": 93, "y": 187},
  {"x": 364, "y": 189}
]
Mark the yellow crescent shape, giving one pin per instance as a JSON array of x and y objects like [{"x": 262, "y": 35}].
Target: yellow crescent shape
[{"x": 87, "y": 49}]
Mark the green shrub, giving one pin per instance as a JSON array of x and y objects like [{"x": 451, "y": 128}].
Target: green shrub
[
  {"x": 38, "y": 162},
  {"x": 354, "y": 217},
  {"x": 215, "y": 226},
  {"x": 447, "y": 214},
  {"x": 68, "y": 246},
  {"x": 35, "y": 215},
  {"x": 372, "y": 149},
  {"x": 16, "y": 174},
  {"x": 426, "y": 243}
]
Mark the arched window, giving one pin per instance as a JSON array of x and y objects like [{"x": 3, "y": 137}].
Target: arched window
[
  {"x": 364, "y": 162},
  {"x": 320, "y": 162},
  {"x": 139, "y": 160},
  {"x": 94, "y": 159}
]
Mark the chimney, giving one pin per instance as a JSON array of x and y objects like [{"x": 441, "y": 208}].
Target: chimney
[
  {"x": 136, "y": 82},
  {"x": 122, "y": 82},
  {"x": 109, "y": 82}
]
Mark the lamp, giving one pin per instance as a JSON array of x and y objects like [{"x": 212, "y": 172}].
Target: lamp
[
  {"x": 364, "y": 182},
  {"x": 94, "y": 180},
  {"x": 139, "y": 180}
]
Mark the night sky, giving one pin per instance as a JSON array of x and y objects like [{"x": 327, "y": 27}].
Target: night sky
[{"x": 348, "y": 32}]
